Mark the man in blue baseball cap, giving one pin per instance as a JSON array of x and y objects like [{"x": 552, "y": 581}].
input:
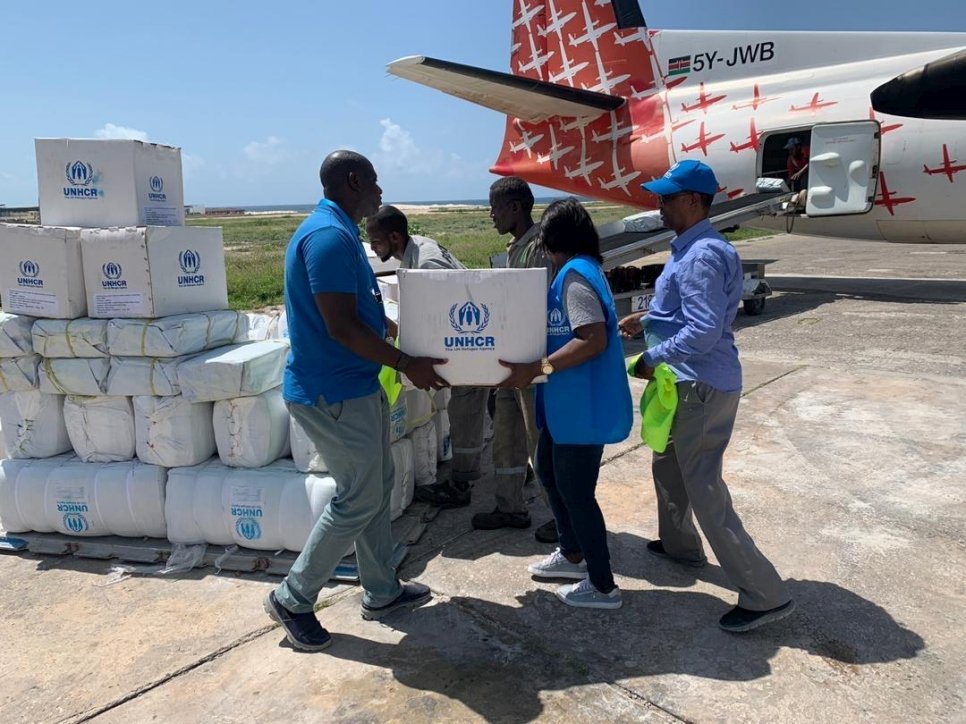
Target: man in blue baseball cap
[{"x": 689, "y": 326}]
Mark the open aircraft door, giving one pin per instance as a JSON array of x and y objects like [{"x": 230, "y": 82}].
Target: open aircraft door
[{"x": 843, "y": 168}]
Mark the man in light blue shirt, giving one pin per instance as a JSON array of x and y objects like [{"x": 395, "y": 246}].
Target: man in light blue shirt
[
  {"x": 337, "y": 329},
  {"x": 689, "y": 327}
]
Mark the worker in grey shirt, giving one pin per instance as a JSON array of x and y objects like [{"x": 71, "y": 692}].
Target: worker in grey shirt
[
  {"x": 388, "y": 231},
  {"x": 514, "y": 425}
]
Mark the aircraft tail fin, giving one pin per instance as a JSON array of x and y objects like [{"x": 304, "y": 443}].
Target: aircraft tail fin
[{"x": 529, "y": 100}]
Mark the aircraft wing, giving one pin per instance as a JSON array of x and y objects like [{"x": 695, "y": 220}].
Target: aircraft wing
[{"x": 524, "y": 98}]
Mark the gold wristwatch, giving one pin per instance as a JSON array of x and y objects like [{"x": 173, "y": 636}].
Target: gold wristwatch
[{"x": 545, "y": 366}]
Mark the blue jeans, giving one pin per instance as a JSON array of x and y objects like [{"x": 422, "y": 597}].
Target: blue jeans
[
  {"x": 353, "y": 438},
  {"x": 569, "y": 475}
]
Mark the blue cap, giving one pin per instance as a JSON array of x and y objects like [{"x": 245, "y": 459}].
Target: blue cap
[{"x": 684, "y": 176}]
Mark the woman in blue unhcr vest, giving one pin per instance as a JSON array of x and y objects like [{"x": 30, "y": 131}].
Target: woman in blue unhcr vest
[{"x": 584, "y": 404}]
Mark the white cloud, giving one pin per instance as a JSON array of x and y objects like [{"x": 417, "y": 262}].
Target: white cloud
[
  {"x": 111, "y": 131},
  {"x": 399, "y": 153},
  {"x": 270, "y": 151}
]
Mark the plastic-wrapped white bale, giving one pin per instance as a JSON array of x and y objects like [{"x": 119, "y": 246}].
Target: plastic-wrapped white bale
[
  {"x": 398, "y": 415},
  {"x": 236, "y": 371},
  {"x": 252, "y": 432},
  {"x": 267, "y": 508},
  {"x": 15, "y": 340},
  {"x": 70, "y": 337},
  {"x": 33, "y": 424},
  {"x": 424, "y": 454},
  {"x": 173, "y": 336},
  {"x": 420, "y": 408},
  {"x": 86, "y": 377},
  {"x": 154, "y": 376},
  {"x": 20, "y": 374},
  {"x": 3, "y": 445},
  {"x": 444, "y": 444},
  {"x": 101, "y": 429},
  {"x": 305, "y": 454},
  {"x": 258, "y": 326},
  {"x": 173, "y": 432},
  {"x": 83, "y": 499},
  {"x": 404, "y": 484}
]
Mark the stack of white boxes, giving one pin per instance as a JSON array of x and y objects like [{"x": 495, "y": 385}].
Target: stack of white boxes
[{"x": 120, "y": 351}]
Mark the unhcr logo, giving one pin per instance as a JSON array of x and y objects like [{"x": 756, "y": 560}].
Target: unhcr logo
[
  {"x": 112, "y": 276},
  {"x": 81, "y": 179},
  {"x": 157, "y": 186},
  {"x": 248, "y": 528},
  {"x": 557, "y": 322},
  {"x": 468, "y": 320},
  {"x": 190, "y": 262},
  {"x": 75, "y": 522},
  {"x": 29, "y": 271}
]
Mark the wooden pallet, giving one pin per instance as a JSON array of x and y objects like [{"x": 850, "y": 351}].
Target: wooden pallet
[{"x": 406, "y": 531}]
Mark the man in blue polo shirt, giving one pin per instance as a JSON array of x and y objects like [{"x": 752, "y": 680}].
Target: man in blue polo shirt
[
  {"x": 689, "y": 326},
  {"x": 337, "y": 328}
]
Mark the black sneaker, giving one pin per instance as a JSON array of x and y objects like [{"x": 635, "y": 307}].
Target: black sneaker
[
  {"x": 656, "y": 548},
  {"x": 303, "y": 630},
  {"x": 739, "y": 619},
  {"x": 499, "y": 519},
  {"x": 411, "y": 596},
  {"x": 547, "y": 533},
  {"x": 447, "y": 494}
]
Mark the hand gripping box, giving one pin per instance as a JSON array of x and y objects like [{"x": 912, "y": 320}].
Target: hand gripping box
[
  {"x": 153, "y": 271},
  {"x": 95, "y": 183},
  {"x": 473, "y": 319},
  {"x": 40, "y": 271}
]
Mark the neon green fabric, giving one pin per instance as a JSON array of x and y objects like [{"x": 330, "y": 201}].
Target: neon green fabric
[
  {"x": 658, "y": 405},
  {"x": 389, "y": 379}
]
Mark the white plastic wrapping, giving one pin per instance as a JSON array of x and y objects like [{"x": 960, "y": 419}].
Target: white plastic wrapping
[
  {"x": 173, "y": 336},
  {"x": 420, "y": 408},
  {"x": 269, "y": 508},
  {"x": 15, "y": 340},
  {"x": 306, "y": 455},
  {"x": 86, "y": 377},
  {"x": 3, "y": 445},
  {"x": 70, "y": 337},
  {"x": 65, "y": 495},
  {"x": 424, "y": 454},
  {"x": 404, "y": 485},
  {"x": 398, "y": 415},
  {"x": 259, "y": 326},
  {"x": 154, "y": 376},
  {"x": 101, "y": 429},
  {"x": 236, "y": 371},
  {"x": 252, "y": 432},
  {"x": 444, "y": 443},
  {"x": 172, "y": 431},
  {"x": 33, "y": 424},
  {"x": 19, "y": 374}
]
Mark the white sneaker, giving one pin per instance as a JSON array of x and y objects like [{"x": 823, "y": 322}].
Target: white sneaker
[
  {"x": 556, "y": 565},
  {"x": 584, "y": 595}
]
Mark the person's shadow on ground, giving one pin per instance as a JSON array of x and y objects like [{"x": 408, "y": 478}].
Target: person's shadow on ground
[{"x": 498, "y": 659}]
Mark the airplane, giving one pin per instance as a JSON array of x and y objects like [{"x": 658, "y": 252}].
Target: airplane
[
  {"x": 608, "y": 71},
  {"x": 703, "y": 141},
  {"x": 947, "y": 168},
  {"x": 704, "y": 101}
]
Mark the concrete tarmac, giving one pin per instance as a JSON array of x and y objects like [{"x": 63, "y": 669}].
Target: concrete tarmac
[{"x": 847, "y": 465}]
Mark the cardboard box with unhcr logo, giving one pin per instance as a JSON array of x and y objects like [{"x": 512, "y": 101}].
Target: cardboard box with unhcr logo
[
  {"x": 153, "y": 271},
  {"x": 97, "y": 183},
  {"x": 473, "y": 319},
  {"x": 40, "y": 271}
]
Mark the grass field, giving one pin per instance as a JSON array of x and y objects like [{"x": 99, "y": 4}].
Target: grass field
[{"x": 255, "y": 245}]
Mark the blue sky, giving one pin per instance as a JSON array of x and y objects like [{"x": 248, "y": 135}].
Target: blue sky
[{"x": 256, "y": 94}]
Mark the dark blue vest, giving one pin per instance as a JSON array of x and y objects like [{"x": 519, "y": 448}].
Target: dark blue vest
[{"x": 589, "y": 404}]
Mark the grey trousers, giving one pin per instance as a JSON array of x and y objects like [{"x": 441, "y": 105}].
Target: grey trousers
[
  {"x": 465, "y": 410},
  {"x": 514, "y": 443},
  {"x": 687, "y": 478},
  {"x": 353, "y": 438}
]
